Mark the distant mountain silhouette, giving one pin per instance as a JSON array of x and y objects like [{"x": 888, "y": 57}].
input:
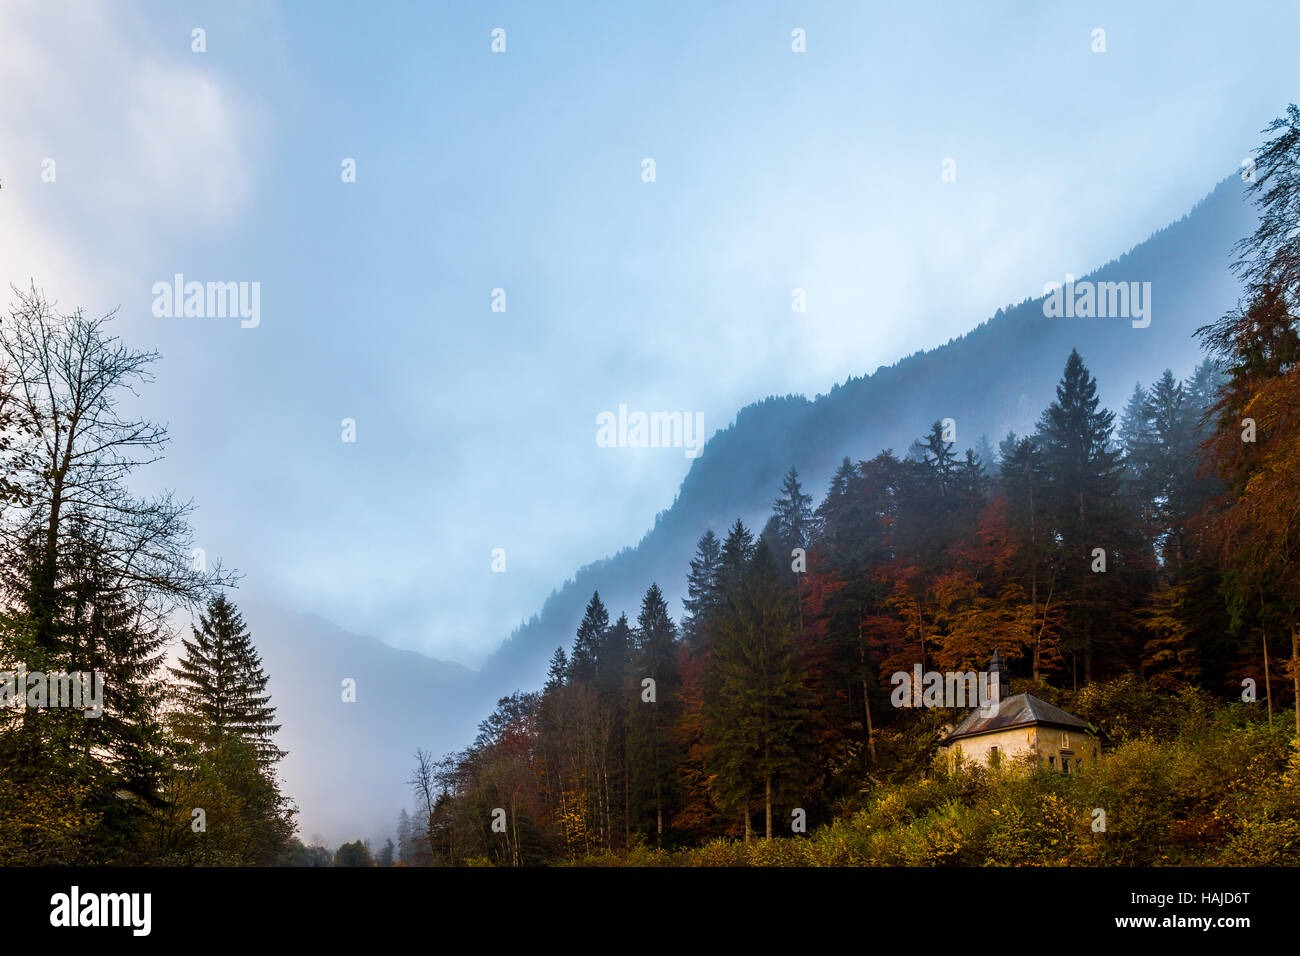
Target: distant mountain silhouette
[
  {"x": 997, "y": 377},
  {"x": 348, "y": 762}
]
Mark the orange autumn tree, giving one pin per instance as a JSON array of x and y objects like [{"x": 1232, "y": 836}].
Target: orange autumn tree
[{"x": 1255, "y": 447}]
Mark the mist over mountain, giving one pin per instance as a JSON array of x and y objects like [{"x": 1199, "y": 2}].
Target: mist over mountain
[
  {"x": 348, "y": 762},
  {"x": 996, "y": 378}
]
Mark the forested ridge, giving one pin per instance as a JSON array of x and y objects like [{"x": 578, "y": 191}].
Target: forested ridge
[
  {"x": 1137, "y": 566},
  {"x": 996, "y": 377}
]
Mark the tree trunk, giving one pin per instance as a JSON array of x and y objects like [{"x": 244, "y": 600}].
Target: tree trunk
[
  {"x": 659, "y": 818},
  {"x": 1268, "y": 683},
  {"x": 920, "y": 630},
  {"x": 745, "y": 812},
  {"x": 866, "y": 698},
  {"x": 769, "y": 806},
  {"x": 798, "y": 599},
  {"x": 1295, "y": 672},
  {"x": 514, "y": 826},
  {"x": 1033, "y": 572},
  {"x": 1033, "y": 621}
]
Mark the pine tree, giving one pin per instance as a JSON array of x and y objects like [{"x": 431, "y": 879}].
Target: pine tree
[
  {"x": 615, "y": 656},
  {"x": 591, "y": 635},
  {"x": 652, "y": 746},
  {"x": 702, "y": 588},
  {"x": 834, "y": 515},
  {"x": 933, "y": 494},
  {"x": 405, "y": 837},
  {"x": 972, "y": 485},
  {"x": 558, "y": 670},
  {"x": 737, "y": 550},
  {"x": 1083, "y": 472},
  {"x": 793, "y": 512},
  {"x": 938, "y": 457},
  {"x": 615, "y": 682},
  {"x": 984, "y": 452},
  {"x": 222, "y": 687},
  {"x": 755, "y": 717}
]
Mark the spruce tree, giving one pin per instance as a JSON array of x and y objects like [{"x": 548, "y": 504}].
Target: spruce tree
[
  {"x": 405, "y": 844},
  {"x": 558, "y": 670},
  {"x": 835, "y": 514},
  {"x": 938, "y": 457},
  {"x": 1083, "y": 472},
  {"x": 756, "y": 718},
  {"x": 615, "y": 654},
  {"x": 222, "y": 687},
  {"x": 702, "y": 587},
  {"x": 587, "y": 644},
  {"x": 984, "y": 452},
  {"x": 737, "y": 550},
  {"x": 793, "y": 511},
  {"x": 651, "y": 743}
]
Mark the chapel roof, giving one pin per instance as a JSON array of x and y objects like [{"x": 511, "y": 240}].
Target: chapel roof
[{"x": 1020, "y": 710}]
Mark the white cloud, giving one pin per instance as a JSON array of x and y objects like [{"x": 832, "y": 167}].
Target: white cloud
[{"x": 149, "y": 144}]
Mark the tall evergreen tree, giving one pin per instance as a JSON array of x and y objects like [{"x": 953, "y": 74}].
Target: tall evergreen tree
[
  {"x": 703, "y": 589},
  {"x": 591, "y": 635},
  {"x": 405, "y": 844},
  {"x": 737, "y": 550},
  {"x": 938, "y": 456},
  {"x": 753, "y": 720},
  {"x": 1082, "y": 466},
  {"x": 557, "y": 672},
  {"x": 652, "y": 745},
  {"x": 793, "y": 512},
  {"x": 987, "y": 457},
  {"x": 833, "y": 516},
  {"x": 220, "y": 682}
]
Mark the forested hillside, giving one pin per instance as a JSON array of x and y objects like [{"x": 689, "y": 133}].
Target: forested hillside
[
  {"x": 991, "y": 380},
  {"x": 1139, "y": 564}
]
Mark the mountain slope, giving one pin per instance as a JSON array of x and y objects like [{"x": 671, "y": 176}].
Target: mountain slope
[
  {"x": 995, "y": 378},
  {"x": 348, "y": 762}
]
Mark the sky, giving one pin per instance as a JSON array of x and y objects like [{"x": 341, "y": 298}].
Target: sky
[{"x": 523, "y": 170}]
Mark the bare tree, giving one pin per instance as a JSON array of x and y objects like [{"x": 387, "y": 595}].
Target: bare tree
[
  {"x": 424, "y": 783},
  {"x": 91, "y": 571}
]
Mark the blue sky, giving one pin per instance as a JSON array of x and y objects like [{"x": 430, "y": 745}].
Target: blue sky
[{"x": 522, "y": 171}]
